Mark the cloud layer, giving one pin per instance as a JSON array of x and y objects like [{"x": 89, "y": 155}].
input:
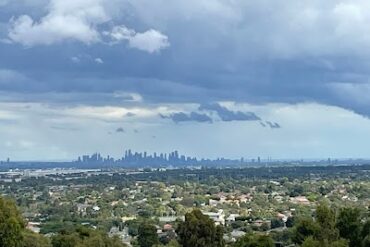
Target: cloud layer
[
  {"x": 243, "y": 51},
  {"x": 191, "y": 117},
  {"x": 79, "y": 20},
  {"x": 66, "y": 20},
  {"x": 150, "y": 41},
  {"x": 124, "y": 62},
  {"x": 227, "y": 115}
]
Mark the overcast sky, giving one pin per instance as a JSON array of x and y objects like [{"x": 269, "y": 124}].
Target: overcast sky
[{"x": 233, "y": 78}]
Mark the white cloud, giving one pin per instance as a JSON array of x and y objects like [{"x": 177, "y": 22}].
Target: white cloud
[
  {"x": 66, "y": 20},
  {"x": 98, "y": 60},
  {"x": 75, "y": 59},
  {"x": 79, "y": 20},
  {"x": 150, "y": 41},
  {"x": 278, "y": 29},
  {"x": 79, "y": 59},
  {"x": 120, "y": 33}
]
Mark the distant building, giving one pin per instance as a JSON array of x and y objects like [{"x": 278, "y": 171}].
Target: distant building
[
  {"x": 302, "y": 200},
  {"x": 34, "y": 226},
  {"x": 218, "y": 218},
  {"x": 168, "y": 219},
  {"x": 232, "y": 217}
]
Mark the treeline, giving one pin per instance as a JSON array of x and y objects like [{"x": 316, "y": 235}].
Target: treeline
[
  {"x": 328, "y": 227},
  {"x": 13, "y": 233},
  {"x": 178, "y": 176},
  {"x": 295, "y": 172},
  {"x": 332, "y": 229}
]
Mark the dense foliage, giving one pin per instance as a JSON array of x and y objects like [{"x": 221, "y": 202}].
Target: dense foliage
[
  {"x": 84, "y": 237},
  {"x": 329, "y": 229},
  {"x": 199, "y": 230},
  {"x": 285, "y": 206},
  {"x": 11, "y": 225}
]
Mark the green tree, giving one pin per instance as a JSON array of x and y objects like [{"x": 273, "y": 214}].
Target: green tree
[
  {"x": 290, "y": 222},
  {"x": 85, "y": 237},
  {"x": 173, "y": 243},
  {"x": 65, "y": 240},
  {"x": 276, "y": 223},
  {"x": 325, "y": 217},
  {"x": 11, "y": 225},
  {"x": 147, "y": 235},
  {"x": 311, "y": 242},
  {"x": 251, "y": 240},
  {"x": 338, "y": 243},
  {"x": 349, "y": 225},
  {"x": 101, "y": 240},
  {"x": 305, "y": 228},
  {"x": 199, "y": 230},
  {"x": 32, "y": 239},
  {"x": 365, "y": 234},
  {"x": 366, "y": 241}
]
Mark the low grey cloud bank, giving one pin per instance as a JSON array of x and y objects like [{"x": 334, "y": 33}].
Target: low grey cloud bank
[
  {"x": 179, "y": 117},
  {"x": 120, "y": 130},
  {"x": 206, "y": 115},
  {"x": 228, "y": 115},
  {"x": 273, "y": 125},
  {"x": 130, "y": 114}
]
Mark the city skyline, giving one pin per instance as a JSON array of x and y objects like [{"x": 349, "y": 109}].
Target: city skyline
[{"x": 131, "y": 157}]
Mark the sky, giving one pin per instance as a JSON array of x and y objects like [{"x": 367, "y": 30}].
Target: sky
[{"x": 235, "y": 78}]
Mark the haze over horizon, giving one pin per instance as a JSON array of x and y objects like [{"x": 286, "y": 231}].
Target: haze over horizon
[{"x": 282, "y": 79}]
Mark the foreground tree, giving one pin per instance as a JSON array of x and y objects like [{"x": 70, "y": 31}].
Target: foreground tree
[
  {"x": 254, "y": 241},
  {"x": 11, "y": 225},
  {"x": 147, "y": 235},
  {"x": 199, "y": 230},
  {"x": 31, "y": 239},
  {"x": 365, "y": 234},
  {"x": 321, "y": 232},
  {"x": 85, "y": 237},
  {"x": 349, "y": 225},
  {"x": 311, "y": 242},
  {"x": 305, "y": 228},
  {"x": 325, "y": 217}
]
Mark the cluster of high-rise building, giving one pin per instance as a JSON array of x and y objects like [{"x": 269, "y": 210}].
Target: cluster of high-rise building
[{"x": 143, "y": 158}]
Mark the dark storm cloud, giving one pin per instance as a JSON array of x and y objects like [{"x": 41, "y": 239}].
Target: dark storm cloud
[
  {"x": 130, "y": 114},
  {"x": 273, "y": 125},
  {"x": 191, "y": 117},
  {"x": 120, "y": 130},
  {"x": 228, "y": 115}
]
